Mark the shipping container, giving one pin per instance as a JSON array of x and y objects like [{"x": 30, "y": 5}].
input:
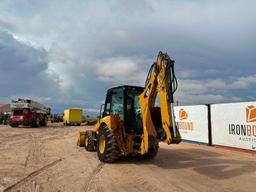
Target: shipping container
[{"x": 72, "y": 116}]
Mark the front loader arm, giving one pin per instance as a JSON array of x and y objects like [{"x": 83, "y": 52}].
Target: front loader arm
[{"x": 161, "y": 80}]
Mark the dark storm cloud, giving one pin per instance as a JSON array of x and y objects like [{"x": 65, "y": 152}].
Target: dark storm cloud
[
  {"x": 23, "y": 70},
  {"x": 87, "y": 43}
]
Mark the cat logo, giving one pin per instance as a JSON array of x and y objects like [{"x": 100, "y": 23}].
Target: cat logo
[
  {"x": 183, "y": 114},
  {"x": 250, "y": 113}
]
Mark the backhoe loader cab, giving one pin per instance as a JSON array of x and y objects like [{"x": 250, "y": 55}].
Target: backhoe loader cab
[
  {"x": 130, "y": 124},
  {"x": 124, "y": 101}
]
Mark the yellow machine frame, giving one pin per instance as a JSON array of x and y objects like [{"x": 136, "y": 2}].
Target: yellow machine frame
[{"x": 158, "y": 83}]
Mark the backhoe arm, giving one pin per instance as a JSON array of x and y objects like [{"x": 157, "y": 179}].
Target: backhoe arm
[{"x": 161, "y": 81}]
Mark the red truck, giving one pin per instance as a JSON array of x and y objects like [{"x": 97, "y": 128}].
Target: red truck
[{"x": 28, "y": 113}]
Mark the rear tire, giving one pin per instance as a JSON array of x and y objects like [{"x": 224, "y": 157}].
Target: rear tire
[
  {"x": 107, "y": 147},
  {"x": 89, "y": 141},
  {"x": 36, "y": 122},
  {"x": 44, "y": 122}
]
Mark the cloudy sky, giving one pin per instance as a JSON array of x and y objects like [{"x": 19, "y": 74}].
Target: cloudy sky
[{"x": 68, "y": 53}]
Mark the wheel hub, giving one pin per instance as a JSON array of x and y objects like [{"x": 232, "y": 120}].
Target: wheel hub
[{"x": 102, "y": 142}]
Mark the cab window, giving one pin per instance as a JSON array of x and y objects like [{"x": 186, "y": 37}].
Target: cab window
[{"x": 117, "y": 100}]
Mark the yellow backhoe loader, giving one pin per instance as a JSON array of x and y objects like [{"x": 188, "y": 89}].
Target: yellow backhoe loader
[{"x": 130, "y": 124}]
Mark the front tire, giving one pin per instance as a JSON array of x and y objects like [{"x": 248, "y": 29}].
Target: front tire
[
  {"x": 107, "y": 147},
  {"x": 14, "y": 125}
]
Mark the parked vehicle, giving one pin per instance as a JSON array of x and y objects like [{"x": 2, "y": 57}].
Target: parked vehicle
[
  {"x": 28, "y": 113},
  {"x": 56, "y": 118},
  {"x": 5, "y": 118},
  {"x": 73, "y": 116}
]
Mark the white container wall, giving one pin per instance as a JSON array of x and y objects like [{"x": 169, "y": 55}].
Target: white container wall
[
  {"x": 193, "y": 122},
  {"x": 234, "y": 125}
]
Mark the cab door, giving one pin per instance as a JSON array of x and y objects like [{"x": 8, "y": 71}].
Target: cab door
[{"x": 115, "y": 102}]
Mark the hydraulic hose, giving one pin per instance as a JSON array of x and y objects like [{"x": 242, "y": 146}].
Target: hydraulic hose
[
  {"x": 149, "y": 73},
  {"x": 169, "y": 73}
]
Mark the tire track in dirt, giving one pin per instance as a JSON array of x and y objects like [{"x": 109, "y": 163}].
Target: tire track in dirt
[
  {"x": 138, "y": 179},
  {"x": 34, "y": 152},
  {"x": 13, "y": 139},
  {"x": 32, "y": 175},
  {"x": 92, "y": 176}
]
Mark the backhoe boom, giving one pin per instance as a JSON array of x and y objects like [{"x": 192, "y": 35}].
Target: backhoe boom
[{"x": 161, "y": 81}]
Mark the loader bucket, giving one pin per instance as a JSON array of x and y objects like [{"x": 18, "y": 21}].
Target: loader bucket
[{"x": 80, "y": 141}]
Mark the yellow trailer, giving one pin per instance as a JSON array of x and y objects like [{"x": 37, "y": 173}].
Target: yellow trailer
[{"x": 73, "y": 116}]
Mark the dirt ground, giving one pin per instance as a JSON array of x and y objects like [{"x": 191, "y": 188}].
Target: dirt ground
[{"x": 47, "y": 159}]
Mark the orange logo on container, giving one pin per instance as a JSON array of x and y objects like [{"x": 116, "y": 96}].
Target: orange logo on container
[
  {"x": 250, "y": 113},
  {"x": 183, "y": 114}
]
